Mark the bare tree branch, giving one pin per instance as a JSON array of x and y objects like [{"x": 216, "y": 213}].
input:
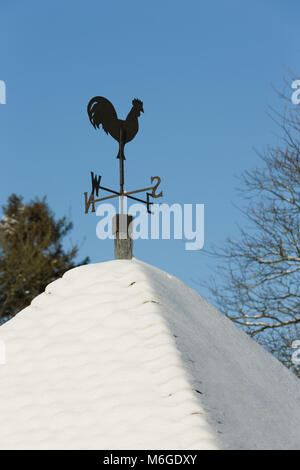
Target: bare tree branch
[{"x": 260, "y": 272}]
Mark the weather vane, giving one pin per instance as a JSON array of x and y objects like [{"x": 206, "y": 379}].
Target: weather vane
[{"x": 102, "y": 112}]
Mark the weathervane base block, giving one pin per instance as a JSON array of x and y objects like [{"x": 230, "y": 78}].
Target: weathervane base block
[{"x": 122, "y": 230}]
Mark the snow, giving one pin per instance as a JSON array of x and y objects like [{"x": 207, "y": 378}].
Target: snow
[{"x": 121, "y": 355}]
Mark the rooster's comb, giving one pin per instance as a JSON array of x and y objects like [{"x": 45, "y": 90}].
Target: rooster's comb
[{"x": 136, "y": 102}]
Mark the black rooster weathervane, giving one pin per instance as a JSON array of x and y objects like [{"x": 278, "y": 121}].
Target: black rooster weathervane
[{"x": 102, "y": 112}]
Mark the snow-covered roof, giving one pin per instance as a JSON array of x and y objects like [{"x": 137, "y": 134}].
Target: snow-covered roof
[{"x": 121, "y": 355}]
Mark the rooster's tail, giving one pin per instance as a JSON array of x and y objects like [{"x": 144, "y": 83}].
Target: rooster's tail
[{"x": 101, "y": 111}]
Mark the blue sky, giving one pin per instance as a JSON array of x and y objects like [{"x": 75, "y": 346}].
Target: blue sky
[{"x": 204, "y": 70}]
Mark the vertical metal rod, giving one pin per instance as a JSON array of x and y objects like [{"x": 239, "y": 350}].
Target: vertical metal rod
[
  {"x": 121, "y": 168},
  {"x": 121, "y": 162},
  {"x": 121, "y": 175}
]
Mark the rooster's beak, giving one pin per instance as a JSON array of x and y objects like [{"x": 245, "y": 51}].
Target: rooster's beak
[{"x": 142, "y": 110}]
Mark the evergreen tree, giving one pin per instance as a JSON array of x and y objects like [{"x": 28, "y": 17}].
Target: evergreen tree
[{"x": 31, "y": 252}]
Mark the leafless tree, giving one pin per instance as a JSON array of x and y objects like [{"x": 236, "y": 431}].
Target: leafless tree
[{"x": 260, "y": 290}]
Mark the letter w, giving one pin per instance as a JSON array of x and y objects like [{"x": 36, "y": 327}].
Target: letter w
[{"x": 95, "y": 183}]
